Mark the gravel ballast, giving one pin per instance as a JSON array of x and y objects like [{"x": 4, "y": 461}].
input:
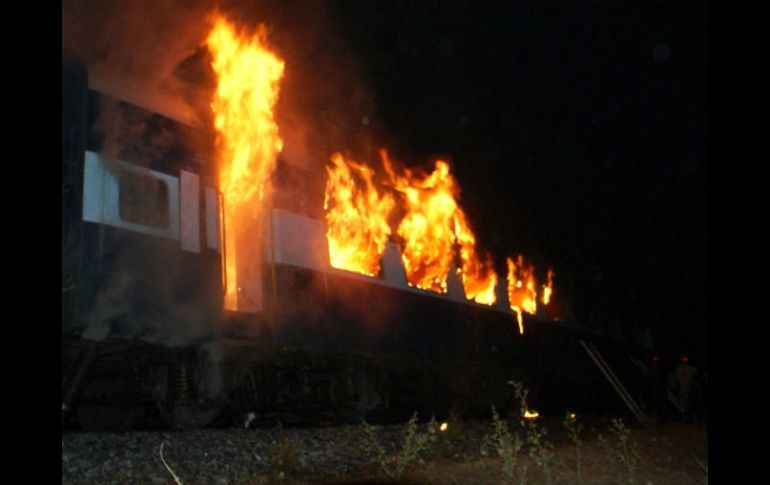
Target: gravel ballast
[{"x": 219, "y": 456}]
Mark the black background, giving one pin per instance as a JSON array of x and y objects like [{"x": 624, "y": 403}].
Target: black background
[{"x": 577, "y": 131}]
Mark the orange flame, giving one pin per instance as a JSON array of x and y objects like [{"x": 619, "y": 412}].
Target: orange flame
[
  {"x": 522, "y": 294},
  {"x": 248, "y": 77},
  {"x": 548, "y": 288},
  {"x": 356, "y": 217},
  {"x": 433, "y": 223},
  {"x": 479, "y": 277},
  {"x": 427, "y": 229}
]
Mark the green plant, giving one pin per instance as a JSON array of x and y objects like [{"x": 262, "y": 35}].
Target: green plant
[
  {"x": 540, "y": 450},
  {"x": 371, "y": 445},
  {"x": 455, "y": 426},
  {"x": 574, "y": 429},
  {"x": 504, "y": 443},
  {"x": 481, "y": 465},
  {"x": 415, "y": 444},
  {"x": 283, "y": 455},
  {"x": 522, "y": 478},
  {"x": 623, "y": 454}
]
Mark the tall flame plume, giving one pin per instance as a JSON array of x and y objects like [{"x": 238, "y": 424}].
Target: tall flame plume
[
  {"x": 248, "y": 78},
  {"x": 434, "y": 231}
]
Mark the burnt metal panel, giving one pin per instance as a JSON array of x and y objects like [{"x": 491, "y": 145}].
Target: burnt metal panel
[
  {"x": 135, "y": 135},
  {"x": 299, "y": 241},
  {"x": 135, "y": 285},
  {"x": 189, "y": 211},
  {"x": 101, "y": 196},
  {"x": 454, "y": 287},
  {"x": 212, "y": 219},
  {"x": 392, "y": 268}
]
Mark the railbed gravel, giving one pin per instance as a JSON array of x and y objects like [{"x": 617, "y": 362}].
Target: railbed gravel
[{"x": 232, "y": 456}]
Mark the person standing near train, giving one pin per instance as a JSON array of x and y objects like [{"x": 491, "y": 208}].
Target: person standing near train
[{"x": 687, "y": 381}]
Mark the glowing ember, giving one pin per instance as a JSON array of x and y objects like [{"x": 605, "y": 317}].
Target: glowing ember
[
  {"x": 531, "y": 414},
  {"x": 522, "y": 294},
  {"x": 248, "y": 77},
  {"x": 444, "y": 426},
  {"x": 356, "y": 217},
  {"x": 433, "y": 223},
  {"x": 548, "y": 288}
]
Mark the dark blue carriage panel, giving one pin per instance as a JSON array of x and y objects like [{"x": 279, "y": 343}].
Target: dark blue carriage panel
[
  {"x": 73, "y": 137},
  {"x": 149, "y": 271}
]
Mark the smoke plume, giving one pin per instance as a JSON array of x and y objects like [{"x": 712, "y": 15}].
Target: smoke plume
[{"x": 152, "y": 54}]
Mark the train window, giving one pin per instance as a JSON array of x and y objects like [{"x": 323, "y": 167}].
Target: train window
[{"x": 143, "y": 200}]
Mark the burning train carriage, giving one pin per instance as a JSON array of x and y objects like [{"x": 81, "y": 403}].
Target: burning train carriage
[
  {"x": 141, "y": 291},
  {"x": 145, "y": 326}
]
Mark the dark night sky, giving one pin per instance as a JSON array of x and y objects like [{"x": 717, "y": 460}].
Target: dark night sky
[{"x": 577, "y": 132}]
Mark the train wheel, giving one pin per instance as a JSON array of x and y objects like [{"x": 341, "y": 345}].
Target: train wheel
[
  {"x": 189, "y": 415},
  {"x": 180, "y": 408}
]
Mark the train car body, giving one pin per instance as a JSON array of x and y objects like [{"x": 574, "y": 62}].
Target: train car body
[{"x": 143, "y": 324}]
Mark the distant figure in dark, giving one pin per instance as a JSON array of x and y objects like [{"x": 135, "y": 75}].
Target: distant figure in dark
[
  {"x": 687, "y": 379},
  {"x": 658, "y": 389}
]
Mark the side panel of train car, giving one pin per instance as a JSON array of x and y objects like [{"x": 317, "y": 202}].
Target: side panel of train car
[
  {"x": 141, "y": 291},
  {"x": 143, "y": 329}
]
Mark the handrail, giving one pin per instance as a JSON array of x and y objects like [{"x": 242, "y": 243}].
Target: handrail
[
  {"x": 594, "y": 354},
  {"x": 612, "y": 373},
  {"x": 617, "y": 380}
]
